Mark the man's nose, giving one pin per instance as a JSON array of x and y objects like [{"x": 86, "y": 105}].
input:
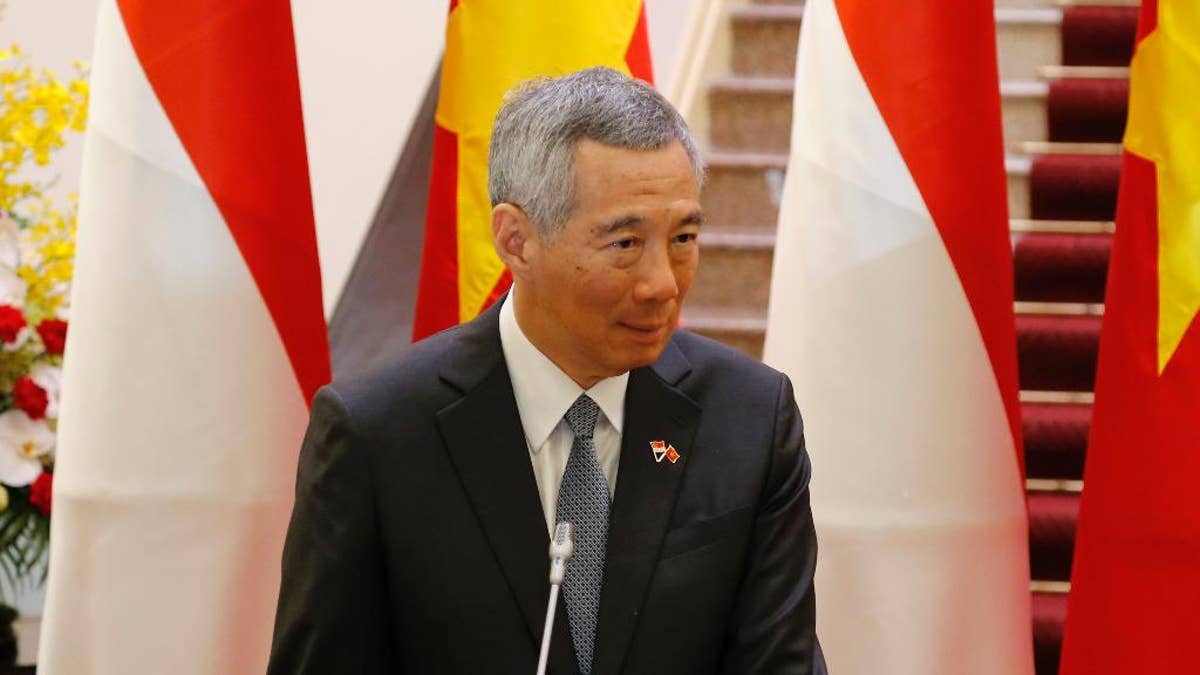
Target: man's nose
[{"x": 657, "y": 281}]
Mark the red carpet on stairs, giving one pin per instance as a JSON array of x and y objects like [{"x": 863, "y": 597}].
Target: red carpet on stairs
[
  {"x": 1057, "y": 353},
  {"x": 1098, "y": 36},
  {"x": 1050, "y": 267},
  {"x": 1052, "y": 517},
  {"x": 1055, "y": 439},
  {"x": 1087, "y": 110},
  {"x": 1049, "y": 615},
  {"x": 1074, "y": 187}
]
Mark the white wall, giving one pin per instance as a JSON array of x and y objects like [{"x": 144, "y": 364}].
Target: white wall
[
  {"x": 364, "y": 68},
  {"x": 666, "y": 20}
]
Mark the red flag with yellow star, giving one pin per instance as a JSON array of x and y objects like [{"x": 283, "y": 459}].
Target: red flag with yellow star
[
  {"x": 1136, "y": 582},
  {"x": 491, "y": 45}
]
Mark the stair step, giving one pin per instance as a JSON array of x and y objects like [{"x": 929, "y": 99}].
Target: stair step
[
  {"x": 1087, "y": 109},
  {"x": 1054, "y": 273},
  {"x": 1073, "y": 186},
  {"x": 1068, "y": 110},
  {"x": 1049, "y": 617},
  {"x": 735, "y": 269},
  {"x": 1055, "y": 438},
  {"x": 1056, "y": 352},
  {"x": 1027, "y": 37},
  {"x": 754, "y": 114},
  {"x": 1055, "y": 72},
  {"x": 1097, "y": 35},
  {"x": 1023, "y": 226},
  {"x": 737, "y": 327},
  {"x": 1077, "y": 115},
  {"x": 1052, "y": 519},
  {"x": 1024, "y": 111},
  {"x": 1018, "y": 168},
  {"x": 743, "y": 190},
  {"x": 750, "y": 113},
  {"x": 1060, "y": 267},
  {"x": 765, "y": 38}
]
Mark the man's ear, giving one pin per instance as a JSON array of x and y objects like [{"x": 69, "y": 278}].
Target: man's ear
[{"x": 515, "y": 238}]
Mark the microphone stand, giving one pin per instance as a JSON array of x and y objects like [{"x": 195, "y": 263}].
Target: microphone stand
[{"x": 561, "y": 549}]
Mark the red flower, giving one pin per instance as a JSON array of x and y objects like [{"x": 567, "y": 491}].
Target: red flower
[
  {"x": 11, "y": 322},
  {"x": 54, "y": 335},
  {"x": 41, "y": 491},
  {"x": 31, "y": 398}
]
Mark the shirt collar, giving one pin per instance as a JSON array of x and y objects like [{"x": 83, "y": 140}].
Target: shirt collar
[{"x": 543, "y": 391}]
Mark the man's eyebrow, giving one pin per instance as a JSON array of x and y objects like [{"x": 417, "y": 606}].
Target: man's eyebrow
[
  {"x": 618, "y": 224},
  {"x": 693, "y": 218}
]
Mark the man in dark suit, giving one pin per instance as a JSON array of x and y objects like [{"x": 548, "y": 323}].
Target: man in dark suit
[{"x": 427, "y": 490}]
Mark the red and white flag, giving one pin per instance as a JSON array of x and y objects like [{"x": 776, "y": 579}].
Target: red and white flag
[
  {"x": 891, "y": 310},
  {"x": 197, "y": 341}
]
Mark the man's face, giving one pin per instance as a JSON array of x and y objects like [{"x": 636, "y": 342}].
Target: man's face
[{"x": 608, "y": 289}]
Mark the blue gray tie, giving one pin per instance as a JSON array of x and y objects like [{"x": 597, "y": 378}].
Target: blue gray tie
[{"x": 583, "y": 501}]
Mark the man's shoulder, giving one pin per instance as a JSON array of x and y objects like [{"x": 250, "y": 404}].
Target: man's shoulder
[
  {"x": 409, "y": 381},
  {"x": 716, "y": 366}
]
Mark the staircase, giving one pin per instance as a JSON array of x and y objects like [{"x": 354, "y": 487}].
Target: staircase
[{"x": 1064, "y": 85}]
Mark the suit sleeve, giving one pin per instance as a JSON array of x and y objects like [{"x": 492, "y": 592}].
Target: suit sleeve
[
  {"x": 332, "y": 613},
  {"x": 773, "y": 627}
]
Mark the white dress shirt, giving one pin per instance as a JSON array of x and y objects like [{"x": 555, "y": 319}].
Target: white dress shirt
[{"x": 544, "y": 393}]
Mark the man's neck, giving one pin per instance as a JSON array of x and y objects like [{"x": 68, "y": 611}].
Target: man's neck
[{"x": 533, "y": 326}]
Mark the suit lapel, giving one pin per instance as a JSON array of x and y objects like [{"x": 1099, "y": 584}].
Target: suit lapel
[
  {"x": 645, "y": 498},
  {"x": 486, "y": 443}
]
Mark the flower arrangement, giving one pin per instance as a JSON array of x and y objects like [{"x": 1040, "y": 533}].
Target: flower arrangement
[{"x": 37, "y": 111}]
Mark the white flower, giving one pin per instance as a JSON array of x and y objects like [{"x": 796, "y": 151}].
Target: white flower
[
  {"x": 48, "y": 377},
  {"x": 23, "y": 336},
  {"x": 23, "y": 442},
  {"x": 12, "y": 288}
]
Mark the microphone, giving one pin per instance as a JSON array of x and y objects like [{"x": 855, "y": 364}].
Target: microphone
[{"x": 561, "y": 549}]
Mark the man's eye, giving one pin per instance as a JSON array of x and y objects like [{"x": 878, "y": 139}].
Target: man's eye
[
  {"x": 685, "y": 237},
  {"x": 623, "y": 244}
]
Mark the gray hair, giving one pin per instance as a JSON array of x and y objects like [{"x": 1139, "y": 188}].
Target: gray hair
[{"x": 531, "y": 157}]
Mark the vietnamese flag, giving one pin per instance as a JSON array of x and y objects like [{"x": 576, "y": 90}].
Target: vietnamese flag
[
  {"x": 1135, "y": 587},
  {"x": 491, "y": 45}
]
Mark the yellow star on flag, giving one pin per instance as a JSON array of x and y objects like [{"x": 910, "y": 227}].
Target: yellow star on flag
[{"x": 1164, "y": 127}]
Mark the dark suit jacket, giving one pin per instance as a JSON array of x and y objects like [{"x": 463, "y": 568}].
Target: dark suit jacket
[{"x": 418, "y": 542}]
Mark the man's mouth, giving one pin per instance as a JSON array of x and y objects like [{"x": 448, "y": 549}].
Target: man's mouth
[{"x": 646, "y": 332}]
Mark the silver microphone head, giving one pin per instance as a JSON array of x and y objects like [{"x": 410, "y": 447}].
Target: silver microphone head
[
  {"x": 561, "y": 549},
  {"x": 564, "y": 543}
]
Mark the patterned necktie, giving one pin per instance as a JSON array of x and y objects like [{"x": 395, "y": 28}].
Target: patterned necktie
[{"x": 583, "y": 501}]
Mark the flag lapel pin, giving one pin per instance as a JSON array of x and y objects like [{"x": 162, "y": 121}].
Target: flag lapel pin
[{"x": 661, "y": 450}]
